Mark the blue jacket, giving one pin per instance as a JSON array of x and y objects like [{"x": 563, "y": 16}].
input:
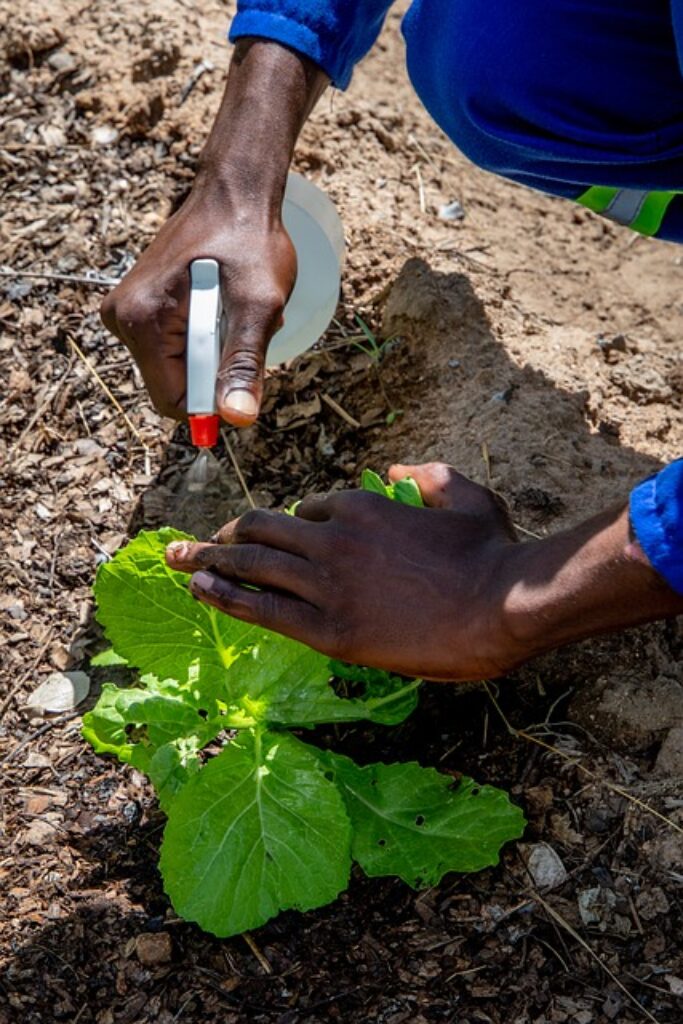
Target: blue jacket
[{"x": 578, "y": 98}]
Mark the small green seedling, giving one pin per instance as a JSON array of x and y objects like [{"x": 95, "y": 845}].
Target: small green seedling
[
  {"x": 259, "y": 821},
  {"x": 367, "y": 342}
]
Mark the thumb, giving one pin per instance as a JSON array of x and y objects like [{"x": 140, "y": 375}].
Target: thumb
[
  {"x": 239, "y": 382},
  {"x": 441, "y": 486}
]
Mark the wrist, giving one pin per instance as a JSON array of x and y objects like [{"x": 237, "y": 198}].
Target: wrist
[
  {"x": 590, "y": 580},
  {"x": 268, "y": 95},
  {"x": 238, "y": 192}
]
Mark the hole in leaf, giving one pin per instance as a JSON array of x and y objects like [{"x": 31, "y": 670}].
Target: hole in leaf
[
  {"x": 203, "y": 713},
  {"x": 329, "y": 776},
  {"x": 419, "y": 820},
  {"x": 475, "y": 791},
  {"x": 348, "y": 689},
  {"x": 136, "y": 733},
  {"x": 381, "y": 842}
]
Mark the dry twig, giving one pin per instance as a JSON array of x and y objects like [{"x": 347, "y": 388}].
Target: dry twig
[
  {"x": 110, "y": 395},
  {"x": 340, "y": 411},
  {"x": 95, "y": 282},
  {"x": 563, "y": 923},
  {"x": 237, "y": 468},
  {"x": 523, "y": 734},
  {"x": 267, "y": 968}
]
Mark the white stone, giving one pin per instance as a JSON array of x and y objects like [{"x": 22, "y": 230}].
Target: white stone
[
  {"x": 61, "y": 691},
  {"x": 545, "y": 867},
  {"x": 104, "y": 135}
]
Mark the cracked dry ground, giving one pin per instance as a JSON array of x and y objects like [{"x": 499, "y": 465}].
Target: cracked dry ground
[{"x": 534, "y": 346}]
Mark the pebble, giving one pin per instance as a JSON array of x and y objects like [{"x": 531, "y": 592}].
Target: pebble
[
  {"x": 39, "y": 833},
  {"x": 545, "y": 867},
  {"x": 61, "y": 691},
  {"x": 452, "y": 211},
  {"x": 670, "y": 757},
  {"x": 598, "y": 908},
  {"x": 153, "y": 948},
  {"x": 62, "y": 61},
  {"x": 104, "y": 135}
]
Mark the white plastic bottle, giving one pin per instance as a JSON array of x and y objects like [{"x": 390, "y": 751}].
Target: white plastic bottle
[{"x": 313, "y": 224}]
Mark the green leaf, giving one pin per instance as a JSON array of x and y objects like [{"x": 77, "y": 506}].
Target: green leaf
[
  {"x": 286, "y": 683},
  {"x": 259, "y": 830},
  {"x": 107, "y": 658},
  {"x": 410, "y": 821},
  {"x": 152, "y": 620},
  {"x": 371, "y": 481},
  {"x": 406, "y": 492},
  {"x": 171, "y": 766},
  {"x": 283, "y": 682},
  {"x": 159, "y": 728},
  {"x": 388, "y": 700}
]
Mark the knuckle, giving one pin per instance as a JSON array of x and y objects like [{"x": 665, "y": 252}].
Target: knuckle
[
  {"x": 250, "y": 525},
  {"x": 135, "y": 309},
  {"x": 204, "y": 555},
  {"x": 312, "y": 506},
  {"x": 244, "y": 559},
  {"x": 260, "y": 305},
  {"x": 233, "y": 600},
  {"x": 440, "y": 472},
  {"x": 362, "y": 505},
  {"x": 244, "y": 364},
  {"x": 132, "y": 313},
  {"x": 108, "y": 312},
  {"x": 268, "y": 608}
]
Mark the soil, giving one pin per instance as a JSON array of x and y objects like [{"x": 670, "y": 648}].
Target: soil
[{"x": 531, "y": 344}]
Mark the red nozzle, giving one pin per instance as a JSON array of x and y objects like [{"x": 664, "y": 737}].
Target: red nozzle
[{"x": 204, "y": 430}]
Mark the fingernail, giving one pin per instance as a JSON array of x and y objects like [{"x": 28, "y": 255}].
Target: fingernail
[
  {"x": 202, "y": 581},
  {"x": 242, "y": 402},
  {"x": 177, "y": 549}
]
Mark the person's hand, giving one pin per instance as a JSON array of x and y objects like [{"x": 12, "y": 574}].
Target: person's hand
[
  {"x": 233, "y": 215},
  {"x": 442, "y": 592},
  {"x": 367, "y": 580},
  {"x": 148, "y": 310}
]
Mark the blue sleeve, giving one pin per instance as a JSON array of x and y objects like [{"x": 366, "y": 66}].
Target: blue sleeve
[
  {"x": 657, "y": 519},
  {"x": 335, "y": 34},
  {"x": 677, "y": 22}
]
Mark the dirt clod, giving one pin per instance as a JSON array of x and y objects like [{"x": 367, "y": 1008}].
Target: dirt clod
[{"x": 153, "y": 948}]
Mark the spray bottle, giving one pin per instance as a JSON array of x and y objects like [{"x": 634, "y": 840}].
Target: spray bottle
[{"x": 312, "y": 222}]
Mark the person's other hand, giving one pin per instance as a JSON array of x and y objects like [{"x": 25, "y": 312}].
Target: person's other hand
[
  {"x": 371, "y": 581},
  {"x": 148, "y": 310}
]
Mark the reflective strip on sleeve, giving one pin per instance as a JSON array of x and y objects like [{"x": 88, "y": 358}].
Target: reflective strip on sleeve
[{"x": 635, "y": 208}]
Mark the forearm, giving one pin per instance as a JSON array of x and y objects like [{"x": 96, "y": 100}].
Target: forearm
[
  {"x": 587, "y": 581},
  {"x": 270, "y": 91}
]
